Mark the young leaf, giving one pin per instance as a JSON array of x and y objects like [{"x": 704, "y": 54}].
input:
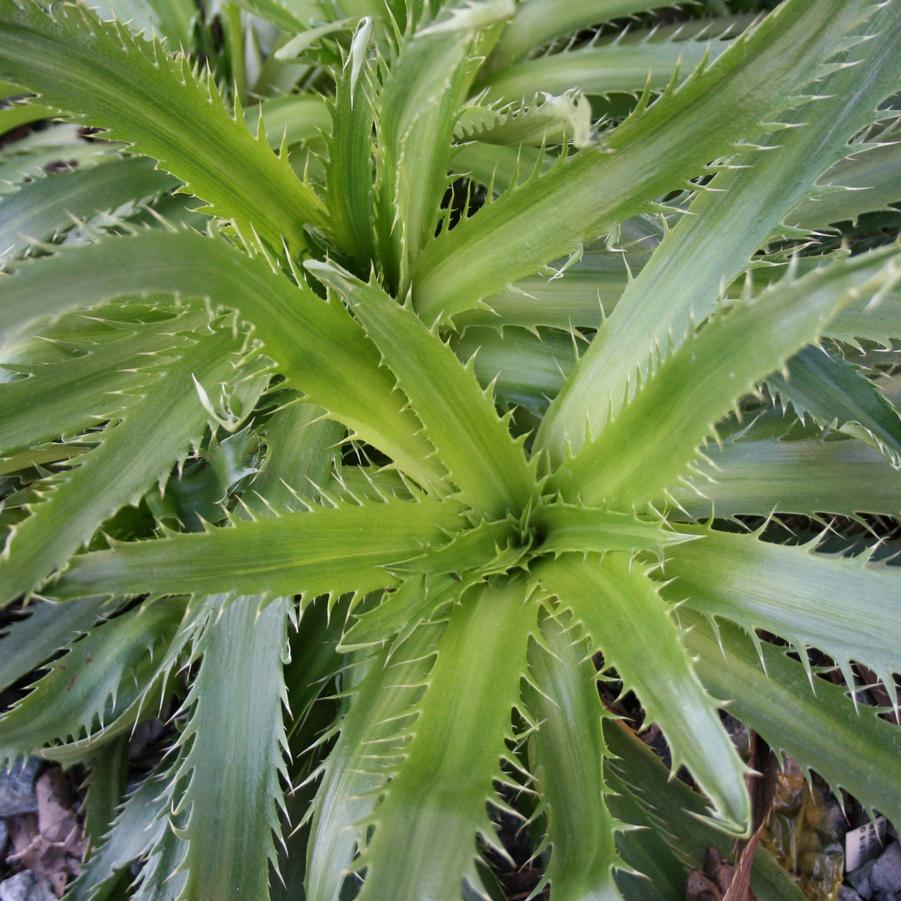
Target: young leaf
[
  {"x": 418, "y": 107},
  {"x": 566, "y": 527}
]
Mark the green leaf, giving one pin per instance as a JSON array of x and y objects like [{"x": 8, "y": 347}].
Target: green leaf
[
  {"x": 153, "y": 432},
  {"x": 866, "y": 180},
  {"x": 458, "y": 418},
  {"x": 102, "y": 74},
  {"x": 138, "y": 828},
  {"x": 68, "y": 394},
  {"x": 50, "y": 206},
  {"x": 370, "y": 734},
  {"x": 435, "y": 578},
  {"x": 651, "y": 153},
  {"x": 836, "y": 394},
  {"x": 537, "y": 21},
  {"x": 565, "y": 527},
  {"x": 425, "y": 828},
  {"x": 101, "y": 675},
  {"x": 651, "y": 441},
  {"x": 291, "y": 118},
  {"x": 30, "y": 156},
  {"x": 27, "y": 643},
  {"x": 106, "y": 787},
  {"x": 625, "y": 617},
  {"x": 546, "y": 121},
  {"x": 669, "y": 810},
  {"x": 846, "y": 607},
  {"x": 235, "y": 761},
  {"x": 808, "y": 477},
  {"x": 522, "y": 368},
  {"x": 418, "y": 105},
  {"x": 301, "y": 447},
  {"x": 19, "y": 114},
  {"x": 847, "y": 746},
  {"x": 292, "y": 553},
  {"x": 288, "y": 15},
  {"x": 580, "y": 296},
  {"x": 713, "y": 244},
  {"x": 567, "y": 754},
  {"x": 604, "y": 68},
  {"x": 318, "y": 346},
  {"x": 871, "y": 322},
  {"x": 349, "y": 172},
  {"x": 173, "y": 19}
]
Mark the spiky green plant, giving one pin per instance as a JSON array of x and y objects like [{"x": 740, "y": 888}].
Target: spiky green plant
[{"x": 500, "y": 362}]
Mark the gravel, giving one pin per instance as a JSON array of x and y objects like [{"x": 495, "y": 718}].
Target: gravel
[
  {"x": 25, "y": 886},
  {"x": 879, "y": 879},
  {"x": 885, "y": 878},
  {"x": 17, "y": 792}
]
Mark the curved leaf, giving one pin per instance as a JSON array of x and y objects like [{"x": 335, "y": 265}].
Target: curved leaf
[
  {"x": 652, "y": 440},
  {"x": 102, "y": 74},
  {"x": 713, "y": 244},
  {"x": 837, "y": 394},
  {"x": 603, "y": 69},
  {"x": 318, "y": 346},
  {"x": 862, "y": 753},
  {"x": 50, "y": 205},
  {"x": 152, "y": 434},
  {"x": 537, "y": 21},
  {"x": 651, "y": 153},
  {"x": 100, "y": 676},
  {"x": 624, "y": 616},
  {"x": 473, "y": 443},
  {"x": 69, "y": 394}
]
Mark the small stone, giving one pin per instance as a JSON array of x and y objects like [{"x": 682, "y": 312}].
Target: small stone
[
  {"x": 848, "y": 894},
  {"x": 25, "y": 886},
  {"x": 860, "y": 879},
  {"x": 17, "y": 794},
  {"x": 886, "y": 875}
]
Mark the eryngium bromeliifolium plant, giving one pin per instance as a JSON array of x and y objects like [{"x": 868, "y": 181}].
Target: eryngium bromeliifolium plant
[{"x": 386, "y": 376}]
